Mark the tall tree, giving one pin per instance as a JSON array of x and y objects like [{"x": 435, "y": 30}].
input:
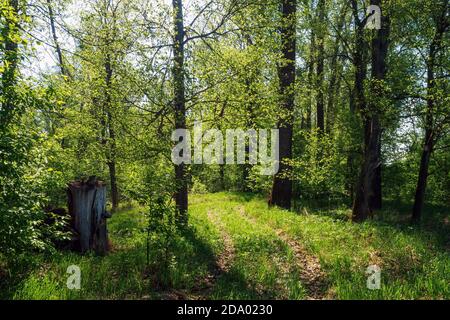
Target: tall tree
[
  {"x": 320, "y": 107},
  {"x": 51, "y": 16},
  {"x": 357, "y": 97},
  {"x": 368, "y": 191},
  {"x": 335, "y": 71},
  {"x": 110, "y": 132},
  {"x": 105, "y": 39},
  {"x": 179, "y": 104},
  {"x": 282, "y": 185},
  {"x": 431, "y": 124},
  {"x": 307, "y": 119},
  {"x": 380, "y": 45}
]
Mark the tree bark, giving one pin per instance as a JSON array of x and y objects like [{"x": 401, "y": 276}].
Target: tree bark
[
  {"x": 361, "y": 208},
  {"x": 357, "y": 98},
  {"x": 87, "y": 208},
  {"x": 320, "y": 107},
  {"x": 380, "y": 46},
  {"x": 334, "y": 82},
  {"x": 419, "y": 198},
  {"x": 307, "y": 124},
  {"x": 442, "y": 25},
  {"x": 181, "y": 189},
  {"x": 111, "y": 141},
  {"x": 282, "y": 186}
]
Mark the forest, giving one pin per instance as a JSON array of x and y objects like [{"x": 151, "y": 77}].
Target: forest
[{"x": 224, "y": 149}]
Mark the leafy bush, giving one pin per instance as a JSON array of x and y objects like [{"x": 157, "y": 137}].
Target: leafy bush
[
  {"x": 320, "y": 168},
  {"x": 162, "y": 232},
  {"x": 21, "y": 213}
]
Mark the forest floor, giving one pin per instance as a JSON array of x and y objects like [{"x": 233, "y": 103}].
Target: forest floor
[{"x": 237, "y": 248}]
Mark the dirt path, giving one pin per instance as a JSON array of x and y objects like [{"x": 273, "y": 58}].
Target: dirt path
[
  {"x": 311, "y": 274},
  {"x": 221, "y": 265},
  {"x": 226, "y": 257},
  {"x": 225, "y": 260}
]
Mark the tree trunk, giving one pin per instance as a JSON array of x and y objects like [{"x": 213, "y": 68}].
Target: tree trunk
[
  {"x": 282, "y": 186},
  {"x": 364, "y": 191},
  {"x": 376, "y": 200},
  {"x": 380, "y": 46},
  {"x": 334, "y": 82},
  {"x": 368, "y": 192},
  {"x": 181, "y": 192},
  {"x": 312, "y": 50},
  {"x": 419, "y": 198},
  {"x": 110, "y": 131},
  {"x": 250, "y": 124},
  {"x": 222, "y": 176},
  {"x": 87, "y": 208},
  {"x": 320, "y": 67},
  {"x": 429, "y": 141},
  {"x": 58, "y": 50},
  {"x": 357, "y": 98},
  {"x": 246, "y": 169}
]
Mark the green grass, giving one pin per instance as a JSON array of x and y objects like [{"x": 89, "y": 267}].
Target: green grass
[
  {"x": 122, "y": 274},
  {"x": 262, "y": 266},
  {"x": 415, "y": 261}
]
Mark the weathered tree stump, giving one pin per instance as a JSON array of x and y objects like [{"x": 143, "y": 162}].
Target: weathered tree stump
[{"x": 87, "y": 208}]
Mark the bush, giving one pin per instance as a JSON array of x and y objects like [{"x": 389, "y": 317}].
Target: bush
[
  {"x": 162, "y": 233},
  {"x": 21, "y": 213}
]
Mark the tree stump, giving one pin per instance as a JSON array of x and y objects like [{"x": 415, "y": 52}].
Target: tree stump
[{"x": 87, "y": 208}]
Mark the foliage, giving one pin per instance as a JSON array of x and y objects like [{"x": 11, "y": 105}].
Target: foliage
[
  {"x": 162, "y": 234},
  {"x": 89, "y": 91}
]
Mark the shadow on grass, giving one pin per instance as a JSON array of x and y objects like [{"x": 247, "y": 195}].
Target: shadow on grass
[
  {"x": 120, "y": 275},
  {"x": 233, "y": 285},
  {"x": 243, "y": 197}
]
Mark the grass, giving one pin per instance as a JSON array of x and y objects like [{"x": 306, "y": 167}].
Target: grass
[
  {"x": 415, "y": 261},
  {"x": 262, "y": 266}
]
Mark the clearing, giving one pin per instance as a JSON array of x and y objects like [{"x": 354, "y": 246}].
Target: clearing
[{"x": 238, "y": 248}]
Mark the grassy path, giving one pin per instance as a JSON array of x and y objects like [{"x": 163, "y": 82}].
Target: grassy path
[
  {"x": 262, "y": 265},
  {"x": 415, "y": 262},
  {"x": 237, "y": 248},
  {"x": 222, "y": 263},
  {"x": 311, "y": 274}
]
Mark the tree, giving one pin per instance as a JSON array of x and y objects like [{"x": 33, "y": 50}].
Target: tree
[
  {"x": 21, "y": 199},
  {"x": 282, "y": 185},
  {"x": 51, "y": 16},
  {"x": 335, "y": 76},
  {"x": 321, "y": 7},
  {"x": 380, "y": 45},
  {"x": 179, "y": 105},
  {"x": 432, "y": 125},
  {"x": 107, "y": 47},
  {"x": 368, "y": 192}
]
